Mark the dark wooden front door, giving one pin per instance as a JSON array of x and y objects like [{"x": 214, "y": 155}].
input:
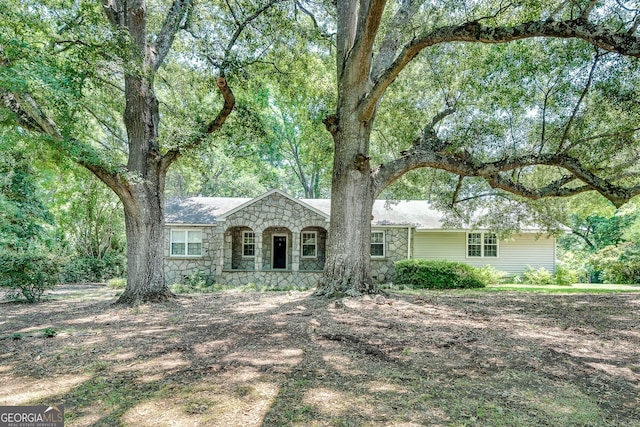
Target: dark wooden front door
[{"x": 279, "y": 251}]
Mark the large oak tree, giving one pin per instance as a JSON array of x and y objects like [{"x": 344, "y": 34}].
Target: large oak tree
[
  {"x": 378, "y": 42},
  {"x": 67, "y": 71}
]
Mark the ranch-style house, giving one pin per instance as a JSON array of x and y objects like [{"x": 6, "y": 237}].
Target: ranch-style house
[{"x": 277, "y": 239}]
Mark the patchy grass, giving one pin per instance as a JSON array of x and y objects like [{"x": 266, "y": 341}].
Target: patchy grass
[
  {"x": 464, "y": 358},
  {"x": 578, "y": 288}
]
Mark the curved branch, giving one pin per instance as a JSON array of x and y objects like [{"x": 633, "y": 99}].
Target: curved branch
[
  {"x": 31, "y": 116},
  {"x": 213, "y": 126},
  {"x": 463, "y": 164},
  {"x": 474, "y": 32},
  {"x": 587, "y": 86}
]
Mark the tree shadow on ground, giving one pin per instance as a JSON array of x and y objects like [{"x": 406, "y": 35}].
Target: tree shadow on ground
[{"x": 277, "y": 359}]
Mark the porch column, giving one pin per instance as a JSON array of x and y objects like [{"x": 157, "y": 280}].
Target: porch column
[
  {"x": 258, "y": 251},
  {"x": 295, "y": 250},
  {"x": 219, "y": 260}
]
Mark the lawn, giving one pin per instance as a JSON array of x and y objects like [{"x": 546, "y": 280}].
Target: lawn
[{"x": 490, "y": 357}]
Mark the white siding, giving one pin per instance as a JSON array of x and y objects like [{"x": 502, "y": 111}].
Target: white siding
[{"x": 514, "y": 254}]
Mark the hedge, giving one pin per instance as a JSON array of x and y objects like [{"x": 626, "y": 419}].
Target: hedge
[{"x": 432, "y": 274}]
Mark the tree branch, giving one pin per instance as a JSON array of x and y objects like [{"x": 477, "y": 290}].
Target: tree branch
[
  {"x": 213, "y": 126},
  {"x": 241, "y": 27},
  {"x": 474, "y": 32},
  {"x": 358, "y": 58},
  {"x": 175, "y": 20},
  {"x": 463, "y": 164},
  {"x": 587, "y": 86},
  {"x": 31, "y": 116}
]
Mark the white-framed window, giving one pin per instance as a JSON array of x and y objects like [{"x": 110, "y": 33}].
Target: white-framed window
[
  {"x": 482, "y": 245},
  {"x": 186, "y": 243},
  {"x": 309, "y": 242},
  {"x": 377, "y": 244},
  {"x": 248, "y": 244}
]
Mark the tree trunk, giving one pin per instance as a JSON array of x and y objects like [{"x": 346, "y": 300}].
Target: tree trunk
[
  {"x": 144, "y": 221},
  {"x": 347, "y": 268}
]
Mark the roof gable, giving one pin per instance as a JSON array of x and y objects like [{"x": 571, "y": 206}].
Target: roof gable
[{"x": 270, "y": 194}]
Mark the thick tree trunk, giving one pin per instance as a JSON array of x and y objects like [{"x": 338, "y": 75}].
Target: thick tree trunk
[
  {"x": 347, "y": 268},
  {"x": 144, "y": 220}
]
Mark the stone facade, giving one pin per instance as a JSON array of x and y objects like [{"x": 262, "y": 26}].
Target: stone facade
[
  {"x": 396, "y": 240},
  {"x": 177, "y": 268},
  {"x": 274, "y": 221}
]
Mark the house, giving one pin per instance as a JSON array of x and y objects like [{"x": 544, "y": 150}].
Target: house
[{"x": 275, "y": 238}]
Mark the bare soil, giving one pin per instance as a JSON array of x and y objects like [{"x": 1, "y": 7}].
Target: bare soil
[{"x": 289, "y": 359}]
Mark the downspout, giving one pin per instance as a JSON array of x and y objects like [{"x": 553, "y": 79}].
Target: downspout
[{"x": 409, "y": 242}]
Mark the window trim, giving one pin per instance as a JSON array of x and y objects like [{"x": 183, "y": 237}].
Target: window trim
[
  {"x": 186, "y": 232},
  {"x": 244, "y": 244},
  {"x": 315, "y": 245},
  {"x": 482, "y": 245},
  {"x": 384, "y": 244}
]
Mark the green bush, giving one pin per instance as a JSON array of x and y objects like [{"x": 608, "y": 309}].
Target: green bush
[
  {"x": 26, "y": 276},
  {"x": 491, "y": 275},
  {"x": 531, "y": 276},
  {"x": 91, "y": 270},
  {"x": 428, "y": 274},
  {"x": 618, "y": 263},
  {"x": 565, "y": 276}
]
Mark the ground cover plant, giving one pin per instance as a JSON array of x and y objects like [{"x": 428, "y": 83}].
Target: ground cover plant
[{"x": 440, "y": 358}]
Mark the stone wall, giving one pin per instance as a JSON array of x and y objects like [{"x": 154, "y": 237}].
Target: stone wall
[
  {"x": 176, "y": 268},
  {"x": 396, "y": 241},
  {"x": 317, "y": 263},
  {"x": 274, "y": 278},
  {"x": 274, "y": 214},
  {"x": 234, "y": 250}
]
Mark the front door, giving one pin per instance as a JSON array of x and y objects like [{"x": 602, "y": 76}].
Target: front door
[{"x": 279, "y": 251}]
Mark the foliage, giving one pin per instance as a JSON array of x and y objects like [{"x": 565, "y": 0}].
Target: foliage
[
  {"x": 89, "y": 269},
  {"x": 49, "y": 332},
  {"x": 437, "y": 274},
  {"x": 491, "y": 275},
  {"x": 618, "y": 263},
  {"x": 563, "y": 276},
  {"x": 27, "y": 276},
  {"x": 22, "y": 211},
  {"x": 531, "y": 276},
  {"x": 88, "y": 216}
]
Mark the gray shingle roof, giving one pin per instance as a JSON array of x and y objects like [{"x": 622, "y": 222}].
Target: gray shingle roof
[{"x": 206, "y": 210}]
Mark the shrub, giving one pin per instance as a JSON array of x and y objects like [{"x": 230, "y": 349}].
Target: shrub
[
  {"x": 491, "y": 275},
  {"x": 565, "y": 276},
  {"x": 26, "y": 276},
  {"x": 618, "y": 263},
  {"x": 117, "y": 283},
  {"x": 428, "y": 274},
  {"x": 531, "y": 276},
  {"x": 91, "y": 269}
]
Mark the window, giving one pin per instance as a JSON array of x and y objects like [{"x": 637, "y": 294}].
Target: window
[
  {"x": 186, "y": 243},
  {"x": 482, "y": 245},
  {"x": 248, "y": 244},
  {"x": 490, "y": 245},
  {"x": 309, "y": 244},
  {"x": 377, "y": 244}
]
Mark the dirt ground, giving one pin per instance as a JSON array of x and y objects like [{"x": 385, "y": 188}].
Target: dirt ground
[{"x": 281, "y": 359}]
